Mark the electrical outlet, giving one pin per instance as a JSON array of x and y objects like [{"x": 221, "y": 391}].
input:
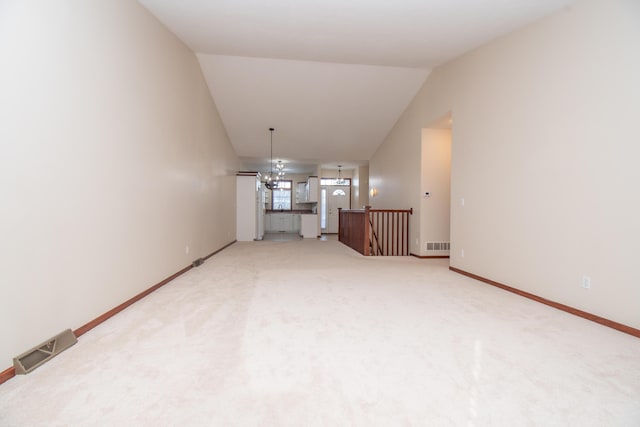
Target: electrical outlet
[
  {"x": 186, "y": 249},
  {"x": 586, "y": 282},
  {"x": 461, "y": 253}
]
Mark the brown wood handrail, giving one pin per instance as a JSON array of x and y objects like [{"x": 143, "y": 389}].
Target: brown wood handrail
[
  {"x": 410, "y": 210},
  {"x": 375, "y": 231}
]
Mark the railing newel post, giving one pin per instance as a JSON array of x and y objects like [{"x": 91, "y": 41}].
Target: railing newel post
[
  {"x": 366, "y": 243},
  {"x": 340, "y": 231}
]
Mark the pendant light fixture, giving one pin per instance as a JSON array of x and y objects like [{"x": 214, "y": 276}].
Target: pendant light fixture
[
  {"x": 270, "y": 183},
  {"x": 340, "y": 180}
]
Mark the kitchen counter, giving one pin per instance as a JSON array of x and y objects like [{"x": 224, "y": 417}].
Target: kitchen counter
[{"x": 309, "y": 226}]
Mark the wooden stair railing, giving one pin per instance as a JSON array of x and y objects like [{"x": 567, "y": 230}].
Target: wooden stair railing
[
  {"x": 390, "y": 231},
  {"x": 353, "y": 229},
  {"x": 380, "y": 232}
]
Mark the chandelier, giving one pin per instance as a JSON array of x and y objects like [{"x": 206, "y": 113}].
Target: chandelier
[{"x": 280, "y": 169}]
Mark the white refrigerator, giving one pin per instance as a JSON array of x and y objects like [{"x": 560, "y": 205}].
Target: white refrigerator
[{"x": 249, "y": 207}]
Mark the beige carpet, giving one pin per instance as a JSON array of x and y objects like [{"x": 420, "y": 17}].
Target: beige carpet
[{"x": 309, "y": 333}]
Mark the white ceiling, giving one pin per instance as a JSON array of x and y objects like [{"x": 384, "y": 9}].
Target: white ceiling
[
  {"x": 322, "y": 112},
  {"x": 331, "y": 76}
]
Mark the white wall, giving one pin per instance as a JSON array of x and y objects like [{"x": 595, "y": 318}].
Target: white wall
[
  {"x": 360, "y": 187},
  {"x": 355, "y": 188},
  {"x": 114, "y": 160},
  {"x": 545, "y": 149},
  {"x": 435, "y": 209},
  {"x": 394, "y": 171}
]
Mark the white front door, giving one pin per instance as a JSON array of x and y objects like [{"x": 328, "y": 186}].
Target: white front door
[{"x": 337, "y": 197}]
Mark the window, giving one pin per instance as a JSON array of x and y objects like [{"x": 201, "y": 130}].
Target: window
[
  {"x": 339, "y": 192},
  {"x": 346, "y": 182},
  {"x": 281, "y": 196},
  {"x": 323, "y": 209}
]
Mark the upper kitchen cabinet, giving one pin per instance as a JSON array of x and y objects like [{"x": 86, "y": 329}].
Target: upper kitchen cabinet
[
  {"x": 301, "y": 192},
  {"x": 307, "y": 192},
  {"x": 311, "y": 190}
]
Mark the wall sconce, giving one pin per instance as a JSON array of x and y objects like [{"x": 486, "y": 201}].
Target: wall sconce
[{"x": 373, "y": 192}]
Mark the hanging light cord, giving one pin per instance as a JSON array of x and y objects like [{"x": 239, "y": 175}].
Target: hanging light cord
[{"x": 271, "y": 164}]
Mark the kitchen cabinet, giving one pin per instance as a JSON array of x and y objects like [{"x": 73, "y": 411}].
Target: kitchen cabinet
[
  {"x": 296, "y": 223},
  {"x": 301, "y": 192},
  {"x": 307, "y": 192},
  {"x": 311, "y": 190},
  {"x": 309, "y": 226},
  {"x": 282, "y": 223}
]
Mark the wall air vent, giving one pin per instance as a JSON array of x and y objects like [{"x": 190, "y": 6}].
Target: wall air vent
[
  {"x": 438, "y": 246},
  {"x": 30, "y": 360}
]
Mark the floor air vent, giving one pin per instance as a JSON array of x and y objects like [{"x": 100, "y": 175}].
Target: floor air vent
[
  {"x": 30, "y": 360},
  {"x": 438, "y": 246},
  {"x": 198, "y": 262}
]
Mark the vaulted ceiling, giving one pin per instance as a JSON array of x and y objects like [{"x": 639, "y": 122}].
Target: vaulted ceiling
[{"x": 331, "y": 76}]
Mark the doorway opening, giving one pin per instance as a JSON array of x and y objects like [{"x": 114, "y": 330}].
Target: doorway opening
[
  {"x": 333, "y": 196},
  {"x": 435, "y": 212}
]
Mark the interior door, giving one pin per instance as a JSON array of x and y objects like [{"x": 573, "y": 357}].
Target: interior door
[{"x": 337, "y": 197}]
